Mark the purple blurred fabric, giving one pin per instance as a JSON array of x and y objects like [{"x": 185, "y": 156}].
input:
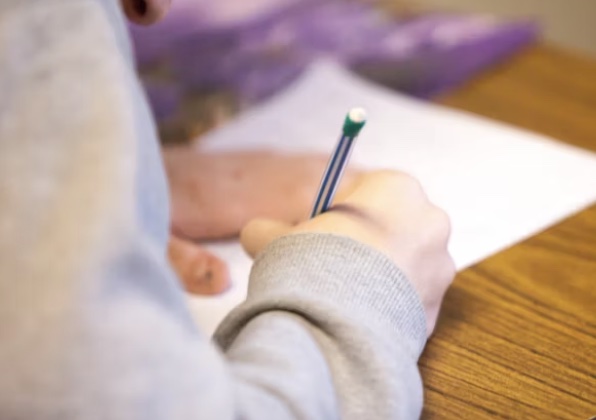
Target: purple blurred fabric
[{"x": 257, "y": 56}]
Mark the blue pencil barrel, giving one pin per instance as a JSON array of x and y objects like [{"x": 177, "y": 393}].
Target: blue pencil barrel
[{"x": 333, "y": 174}]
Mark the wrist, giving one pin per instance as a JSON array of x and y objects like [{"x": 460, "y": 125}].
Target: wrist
[{"x": 337, "y": 274}]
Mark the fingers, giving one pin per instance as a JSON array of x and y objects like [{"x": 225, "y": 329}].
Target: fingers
[
  {"x": 378, "y": 183},
  {"x": 208, "y": 276},
  {"x": 260, "y": 232},
  {"x": 350, "y": 180},
  {"x": 442, "y": 225},
  {"x": 200, "y": 272},
  {"x": 203, "y": 186}
]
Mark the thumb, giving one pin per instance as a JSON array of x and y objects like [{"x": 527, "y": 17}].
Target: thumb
[{"x": 258, "y": 233}]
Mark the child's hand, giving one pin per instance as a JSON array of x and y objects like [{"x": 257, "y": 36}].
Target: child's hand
[
  {"x": 214, "y": 196},
  {"x": 200, "y": 272},
  {"x": 390, "y": 212}
]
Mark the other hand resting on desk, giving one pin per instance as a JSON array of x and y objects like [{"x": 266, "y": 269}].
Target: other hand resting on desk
[{"x": 214, "y": 195}]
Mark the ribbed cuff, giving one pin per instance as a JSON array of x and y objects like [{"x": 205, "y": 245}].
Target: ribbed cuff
[{"x": 308, "y": 271}]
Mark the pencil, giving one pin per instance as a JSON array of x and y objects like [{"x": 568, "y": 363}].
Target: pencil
[{"x": 353, "y": 123}]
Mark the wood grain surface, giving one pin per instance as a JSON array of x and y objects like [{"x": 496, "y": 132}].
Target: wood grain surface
[{"x": 517, "y": 335}]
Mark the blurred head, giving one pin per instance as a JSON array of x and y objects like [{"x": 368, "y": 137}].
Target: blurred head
[{"x": 145, "y": 12}]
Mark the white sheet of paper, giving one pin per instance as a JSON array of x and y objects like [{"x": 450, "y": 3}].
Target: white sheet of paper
[{"x": 498, "y": 184}]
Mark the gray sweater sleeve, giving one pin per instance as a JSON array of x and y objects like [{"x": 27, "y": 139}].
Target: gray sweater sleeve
[
  {"x": 93, "y": 323},
  {"x": 330, "y": 329}
]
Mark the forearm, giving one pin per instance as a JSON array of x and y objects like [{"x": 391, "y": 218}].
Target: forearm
[{"x": 331, "y": 329}]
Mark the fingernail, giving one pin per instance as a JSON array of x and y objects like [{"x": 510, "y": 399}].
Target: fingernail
[
  {"x": 203, "y": 275},
  {"x": 206, "y": 276},
  {"x": 206, "y": 282}
]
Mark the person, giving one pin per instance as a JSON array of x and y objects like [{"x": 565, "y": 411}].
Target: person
[{"x": 93, "y": 322}]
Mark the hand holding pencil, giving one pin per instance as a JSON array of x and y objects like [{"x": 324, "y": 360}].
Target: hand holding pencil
[{"x": 387, "y": 211}]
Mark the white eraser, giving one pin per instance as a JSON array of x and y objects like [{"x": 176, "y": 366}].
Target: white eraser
[{"x": 357, "y": 115}]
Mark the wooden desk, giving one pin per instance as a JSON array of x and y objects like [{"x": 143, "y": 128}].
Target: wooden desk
[{"x": 517, "y": 336}]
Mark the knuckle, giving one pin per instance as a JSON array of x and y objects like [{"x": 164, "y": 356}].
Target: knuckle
[
  {"x": 450, "y": 270},
  {"x": 396, "y": 179},
  {"x": 385, "y": 175},
  {"x": 412, "y": 182},
  {"x": 414, "y": 191},
  {"x": 445, "y": 274},
  {"x": 442, "y": 222}
]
